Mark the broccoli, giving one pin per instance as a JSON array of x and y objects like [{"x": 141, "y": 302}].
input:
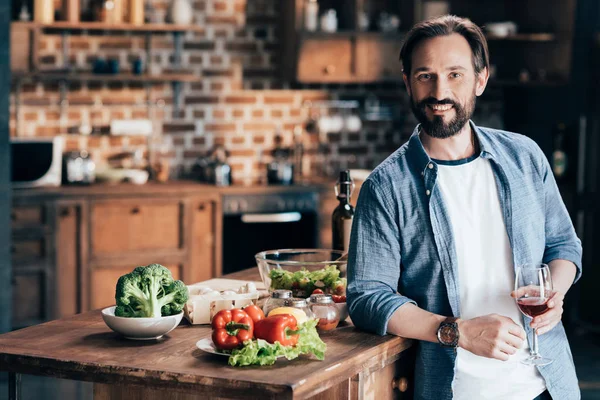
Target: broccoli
[{"x": 149, "y": 291}]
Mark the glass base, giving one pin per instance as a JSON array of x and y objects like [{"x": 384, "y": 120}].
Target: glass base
[{"x": 537, "y": 360}]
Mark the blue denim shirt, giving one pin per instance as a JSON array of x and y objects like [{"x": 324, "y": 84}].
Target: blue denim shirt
[{"x": 402, "y": 248}]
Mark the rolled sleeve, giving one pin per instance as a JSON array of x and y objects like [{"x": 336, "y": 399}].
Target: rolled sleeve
[
  {"x": 374, "y": 259},
  {"x": 561, "y": 240}
]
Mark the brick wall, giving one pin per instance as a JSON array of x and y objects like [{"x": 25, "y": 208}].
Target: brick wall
[{"x": 238, "y": 100}]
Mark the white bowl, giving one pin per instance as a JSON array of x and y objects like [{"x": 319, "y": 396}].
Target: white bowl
[
  {"x": 140, "y": 328},
  {"x": 343, "y": 309}
]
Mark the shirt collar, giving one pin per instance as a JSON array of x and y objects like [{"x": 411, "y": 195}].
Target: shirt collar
[{"x": 420, "y": 159}]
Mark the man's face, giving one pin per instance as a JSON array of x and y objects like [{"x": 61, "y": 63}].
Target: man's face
[{"x": 443, "y": 85}]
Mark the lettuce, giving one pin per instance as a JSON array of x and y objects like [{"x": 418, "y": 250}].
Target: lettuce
[{"x": 261, "y": 352}]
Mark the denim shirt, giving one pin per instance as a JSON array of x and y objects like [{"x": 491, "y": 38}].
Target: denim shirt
[{"x": 402, "y": 248}]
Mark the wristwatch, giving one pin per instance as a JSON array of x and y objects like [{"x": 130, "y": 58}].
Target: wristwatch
[{"x": 447, "y": 332}]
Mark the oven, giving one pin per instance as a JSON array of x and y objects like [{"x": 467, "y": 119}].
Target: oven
[{"x": 257, "y": 222}]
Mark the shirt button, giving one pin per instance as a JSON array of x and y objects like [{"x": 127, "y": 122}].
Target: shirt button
[
  {"x": 427, "y": 192},
  {"x": 430, "y": 166},
  {"x": 422, "y": 173}
]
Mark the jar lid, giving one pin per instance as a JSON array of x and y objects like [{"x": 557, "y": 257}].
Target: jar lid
[
  {"x": 295, "y": 302},
  {"x": 281, "y": 294},
  {"x": 321, "y": 298}
]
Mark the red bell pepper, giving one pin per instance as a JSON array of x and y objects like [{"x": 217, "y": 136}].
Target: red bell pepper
[
  {"x": 231, "y": 328},
  {"x": 280, "y": 328},
  {"x": 254, "y": 312}
]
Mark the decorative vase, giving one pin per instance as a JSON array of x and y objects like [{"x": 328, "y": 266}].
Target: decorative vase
[{"x": 181, "y": 12}]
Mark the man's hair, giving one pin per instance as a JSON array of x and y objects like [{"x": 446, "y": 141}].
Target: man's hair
[{"x": 444, "y": 26}]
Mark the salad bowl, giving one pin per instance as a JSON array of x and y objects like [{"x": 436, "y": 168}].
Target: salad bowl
[{"x": 303, "y": 270}]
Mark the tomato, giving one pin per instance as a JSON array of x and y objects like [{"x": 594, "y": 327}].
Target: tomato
[
  {"x": 343, "y": 298},
  {"x": 254, "y": 312},
  {"x": 317, "y": 291},
  {"x": 339, "y": 289},
  {"x": 336, "y": 298}
]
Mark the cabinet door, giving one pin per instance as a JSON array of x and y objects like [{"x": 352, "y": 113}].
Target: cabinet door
[
  {"x": 135, "y": 225},
  {"x": 103, "y": 283},
  {"x": 203, "y": 242},
  {"x": 394, "y": 381},
  {"x": 377, "y": 58},
  {"x": 326, "y": 60},
  {"x": 69, "y": 250},
  {"x": 29, "y": 297}
]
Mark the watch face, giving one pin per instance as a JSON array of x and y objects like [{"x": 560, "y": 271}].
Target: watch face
[{"x": 447, "y": 334}]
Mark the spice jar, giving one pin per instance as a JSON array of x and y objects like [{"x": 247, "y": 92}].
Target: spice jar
[
  {"x": 276, "y": 300},
  {"x": 323, "y": 308},
  {"x": 300, "y": 304}
]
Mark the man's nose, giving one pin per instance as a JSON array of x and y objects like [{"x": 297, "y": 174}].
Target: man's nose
[{"x": 440, "y": 89}]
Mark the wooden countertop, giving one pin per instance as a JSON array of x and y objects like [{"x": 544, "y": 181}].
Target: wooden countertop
[
  {"x": 168, "y": 188},
  {"x": 82, "y": 347}
]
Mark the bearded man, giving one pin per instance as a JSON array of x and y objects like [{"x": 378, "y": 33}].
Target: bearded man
[{"x": 444, "y": 222}]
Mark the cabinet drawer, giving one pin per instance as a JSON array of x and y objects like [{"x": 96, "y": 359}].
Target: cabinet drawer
[
  {"x": 22, "y": 216},
  {"x": 135, "y": 226},
  {"x": 103, "y": 283},
  {"x": 27, "y": 250},
  {"x": 28, "y": 299},
  {"x": 328, "y": 60},
  {"x": 378, "y": 59}
]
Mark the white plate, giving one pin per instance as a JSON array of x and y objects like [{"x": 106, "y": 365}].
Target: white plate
[{"x": 208, "y": 346}]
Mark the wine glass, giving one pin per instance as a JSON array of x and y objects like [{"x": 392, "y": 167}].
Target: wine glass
[{"x": 533, "y": 288}]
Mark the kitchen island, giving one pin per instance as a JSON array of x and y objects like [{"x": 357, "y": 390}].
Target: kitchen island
[{"x": 357, "y": 365}]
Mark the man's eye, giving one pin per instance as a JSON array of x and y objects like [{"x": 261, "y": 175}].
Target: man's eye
[
  {"x": 424, "y": 77},
  {"x": 455, "y": 75}
]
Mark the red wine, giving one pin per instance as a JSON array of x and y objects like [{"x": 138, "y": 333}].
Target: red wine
[{"x": 532, "y": 306}]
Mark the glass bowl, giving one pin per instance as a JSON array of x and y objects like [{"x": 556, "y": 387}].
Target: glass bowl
[{"x": 303, "y": 270}]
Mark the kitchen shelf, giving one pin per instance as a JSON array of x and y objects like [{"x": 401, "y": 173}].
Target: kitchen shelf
[
  {"x": 524, "y": 37},
  {"x": 351, "y": 34},
  {"x": 89, "y": 77},
  {"x": 124, "y": 27},
  {"x": 531, "y": 83}
]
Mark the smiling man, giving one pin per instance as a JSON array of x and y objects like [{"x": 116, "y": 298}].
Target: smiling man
[{"x": 441, "y": 225}]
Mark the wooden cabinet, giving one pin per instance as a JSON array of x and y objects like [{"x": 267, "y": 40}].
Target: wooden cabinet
[
  {"x": 330, "y": 60},
  {"x": 69, "y": 251},
  {"x": 135, "y": 225},
  {"x": 32, "y": 253},
  {"x": 349, "y": 55}
]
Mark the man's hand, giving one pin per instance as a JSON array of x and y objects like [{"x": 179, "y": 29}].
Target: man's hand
[
  {"x": 548, "y": 320},
  {"x": 491, "y": 336}
]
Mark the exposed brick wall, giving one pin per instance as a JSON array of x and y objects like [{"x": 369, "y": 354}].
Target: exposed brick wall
[{"x": 238, "y": 100}]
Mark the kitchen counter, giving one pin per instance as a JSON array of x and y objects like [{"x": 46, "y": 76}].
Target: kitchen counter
[
  {"x": 167, "y": 188},
  {"x": 82, "y": 347}
]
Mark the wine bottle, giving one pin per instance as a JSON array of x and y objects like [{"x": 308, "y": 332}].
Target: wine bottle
[{"x": 341, "y": 219}]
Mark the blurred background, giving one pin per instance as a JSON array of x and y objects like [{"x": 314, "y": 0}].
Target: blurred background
[{"x": 134, "y": 131}]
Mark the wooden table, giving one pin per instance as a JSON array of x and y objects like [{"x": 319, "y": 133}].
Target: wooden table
[{"x": 82, "y": 347}]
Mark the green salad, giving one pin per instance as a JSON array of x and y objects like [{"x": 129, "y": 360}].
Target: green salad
[{"x": 302, "y": 283}]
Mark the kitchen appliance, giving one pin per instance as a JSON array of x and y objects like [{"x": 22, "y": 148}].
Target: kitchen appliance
[
  {"x": 258, "y": 222},
  {"x": 36, "y": 162},
  {"x": 78, "y": 168},
  {"x": 280, "y": 171},
  {"x": 213, "y": 168}
]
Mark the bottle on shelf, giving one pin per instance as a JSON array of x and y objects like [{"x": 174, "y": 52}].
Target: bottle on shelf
[
  {"x": 560, "y": 162},
  {"x": 341, "y": 219}
]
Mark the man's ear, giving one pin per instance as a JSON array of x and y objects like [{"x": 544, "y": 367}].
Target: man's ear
[
  {"x": 406, "y": 83},
  {"x": 481, "y": 81}
]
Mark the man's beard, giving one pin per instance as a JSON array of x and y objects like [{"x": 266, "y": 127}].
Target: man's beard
[{"x": 436, "y": 127}]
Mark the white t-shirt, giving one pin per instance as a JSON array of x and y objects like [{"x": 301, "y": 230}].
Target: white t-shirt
[{"x": 486, "y": 278}]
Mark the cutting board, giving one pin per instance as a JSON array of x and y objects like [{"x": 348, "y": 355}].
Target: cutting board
[{"x": 221, "y": 284}]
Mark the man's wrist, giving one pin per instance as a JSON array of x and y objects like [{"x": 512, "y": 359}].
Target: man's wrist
[{"x": 447, "y": 333}]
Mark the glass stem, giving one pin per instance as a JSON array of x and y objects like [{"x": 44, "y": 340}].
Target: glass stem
[{"x": 534, "y": 347}]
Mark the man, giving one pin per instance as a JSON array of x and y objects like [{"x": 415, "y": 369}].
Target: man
[{"x": 441, "y": 225}]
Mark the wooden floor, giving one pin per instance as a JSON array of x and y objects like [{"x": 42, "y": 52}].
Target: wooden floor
[{"x": 585, "y": 348}]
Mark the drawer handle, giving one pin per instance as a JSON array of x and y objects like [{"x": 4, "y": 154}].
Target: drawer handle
[
  {"x": 201, "y": 207},
  {"x": 135, "y": 210},
  {"x": 328, "y": 70},
  {"x": 65, "y": 212},
  {"x": 401, "y": 384}
]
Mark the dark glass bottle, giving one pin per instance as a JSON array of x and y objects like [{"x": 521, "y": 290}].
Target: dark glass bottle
[{"x": 341, "y": 220}]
